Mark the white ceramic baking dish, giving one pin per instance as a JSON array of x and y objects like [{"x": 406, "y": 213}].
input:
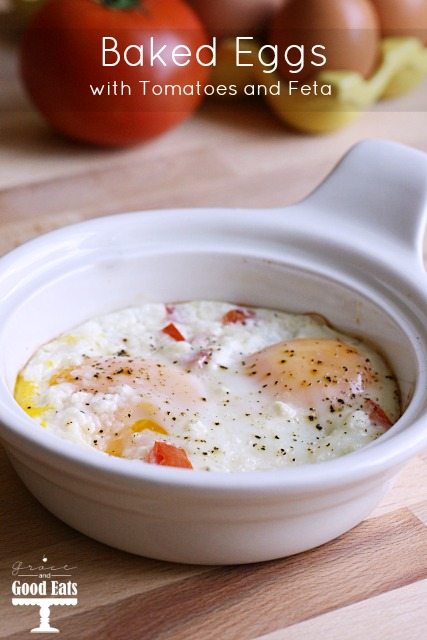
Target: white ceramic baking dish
[{"x": 351, "y": 251}]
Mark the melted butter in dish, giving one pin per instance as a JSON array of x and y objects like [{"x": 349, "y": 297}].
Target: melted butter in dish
[{"x": 211, "y": 386}]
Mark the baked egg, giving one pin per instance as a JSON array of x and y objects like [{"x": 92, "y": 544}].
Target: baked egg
[{"x": 212, "y": 386}]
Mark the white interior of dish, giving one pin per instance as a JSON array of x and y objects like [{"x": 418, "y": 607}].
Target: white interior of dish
[{"x": 44, "y": 306}]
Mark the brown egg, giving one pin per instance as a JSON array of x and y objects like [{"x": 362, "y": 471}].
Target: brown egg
[
  {"x": 403, "y": 18},
  {"x": 349, "y": 29},
  {"x": 224, "y": 18}
]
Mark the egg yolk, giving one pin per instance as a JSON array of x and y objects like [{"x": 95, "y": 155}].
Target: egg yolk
[
  {"x": 165, "y": 395},
  {"x": 312, "y": 373},
  {"x": 107, "y": 375}
]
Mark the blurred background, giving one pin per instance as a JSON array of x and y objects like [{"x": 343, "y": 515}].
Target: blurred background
[{"x": 231, "y": 152}]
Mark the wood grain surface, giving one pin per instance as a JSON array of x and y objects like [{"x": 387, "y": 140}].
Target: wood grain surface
[{"x": 371, "y": 583}]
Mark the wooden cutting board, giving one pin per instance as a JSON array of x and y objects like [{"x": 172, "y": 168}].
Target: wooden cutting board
[{"x": 371, "y": 583}]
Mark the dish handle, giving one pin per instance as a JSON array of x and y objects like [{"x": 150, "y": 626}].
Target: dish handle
[{"x": 378, "y": 188}]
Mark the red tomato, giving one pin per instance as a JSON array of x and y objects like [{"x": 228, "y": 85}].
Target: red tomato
[
  {"x": 168, "y": 455},
  {"x": 62, "y": 55},
  {"x": 377, "y": 415},
  {"x": 235, "y": 316},
  {"x": 172, "y": 331}
]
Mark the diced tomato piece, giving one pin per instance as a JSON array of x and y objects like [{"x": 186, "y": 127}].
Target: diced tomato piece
[
  {"x": 173, "y": 332},
  {"x": 168, "y": 455},
  {"x": 377, "y": 415},
  {"x": 235, "y": 316}
]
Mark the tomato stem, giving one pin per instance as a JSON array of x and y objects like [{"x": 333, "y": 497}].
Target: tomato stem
[{"x": 121, "y": 4}]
